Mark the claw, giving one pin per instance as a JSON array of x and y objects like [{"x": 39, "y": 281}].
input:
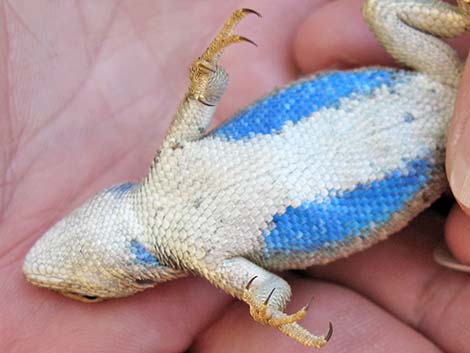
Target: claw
[
  {"x": 306, "y": 307},
  {"x": 246, "y": 10},
  {"x": 330, "y": 332},
  {"x": 207, "y": 66},
  {"x": 205, "y": 103},
  {"x": 226, "y": 36},
  {"x": 248, "y": 285},
  {"x": 245, "y": 39},
  {"x": 269, "y": 296}
]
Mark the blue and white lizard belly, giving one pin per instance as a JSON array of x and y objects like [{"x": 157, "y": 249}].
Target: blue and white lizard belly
[{"x": 298, "y": 177}]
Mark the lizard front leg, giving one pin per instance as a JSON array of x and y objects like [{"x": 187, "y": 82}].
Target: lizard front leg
[{"x": 267, "y": 295}]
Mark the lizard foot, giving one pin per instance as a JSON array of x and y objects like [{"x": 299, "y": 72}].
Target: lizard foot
[
  {"x": 267, "y": 314},
  {"x": 208, "y": 80},
  {"x": 464, "y": 6},
  {"x": 264, "y": 314}
]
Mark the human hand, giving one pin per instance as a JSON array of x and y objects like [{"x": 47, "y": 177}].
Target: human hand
[
  {"x": 88, "y": 92},
  {"x": 458, "y": 173}
]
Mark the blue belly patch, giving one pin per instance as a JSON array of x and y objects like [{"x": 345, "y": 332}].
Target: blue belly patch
[
  {"x": 301, "y": 99},
  {"x": 343, "y": 216},
  {"x": 142, "y": 256}
]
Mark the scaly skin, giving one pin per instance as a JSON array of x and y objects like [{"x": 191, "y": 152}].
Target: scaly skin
[{"x": 233, "y": 205}]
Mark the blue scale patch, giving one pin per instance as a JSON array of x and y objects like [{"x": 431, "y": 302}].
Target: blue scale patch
[
  {"x": 343, "y": 216},
  {"x": 142, "y": 255},
  {"x": 121, "y": 188},
  {"x": 409, "y": 118},
  {"x": 301, "y": 99}
]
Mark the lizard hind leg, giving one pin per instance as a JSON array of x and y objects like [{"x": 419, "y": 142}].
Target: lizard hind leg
[
  {"x": 205, "y": 74},
  {"x": 411, "y": 32},
  {"x": 208, "y": 82}
]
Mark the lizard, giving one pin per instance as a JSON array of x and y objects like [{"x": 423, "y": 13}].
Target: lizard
[{"x": 318, "y": 170}]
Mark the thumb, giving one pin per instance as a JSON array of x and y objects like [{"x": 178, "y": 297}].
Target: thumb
[
  {"x": 458, "y": 145},
  {"x": 458, "y": 173}
]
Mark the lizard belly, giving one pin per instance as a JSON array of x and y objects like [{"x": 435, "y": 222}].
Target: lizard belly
[{"x": 321, "y": 168}]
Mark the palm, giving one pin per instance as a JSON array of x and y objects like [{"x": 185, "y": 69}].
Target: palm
[{"x": 88, "y": 91}]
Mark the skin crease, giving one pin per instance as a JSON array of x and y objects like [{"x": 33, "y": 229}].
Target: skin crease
[{"x": 87, "y": 91}]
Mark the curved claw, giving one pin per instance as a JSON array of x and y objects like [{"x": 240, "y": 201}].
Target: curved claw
[
  {"x": 226, "y": 36},
  {"x": 306, "y": 307},
  {"x": 248, "y": 285},
  {"x": 245, "y": 39},
  {"x": 269, "y": 296},
  {"x": 330, "y": 332},
  {"x": 207, "y": 104},
  {"x": 207, "y": 66},
  {"x": 247, "y": 10}
]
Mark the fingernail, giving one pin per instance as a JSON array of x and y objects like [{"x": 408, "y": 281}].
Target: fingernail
[
  {"x": 460, "y": 172},
  {"x": 443, "y": 257}
]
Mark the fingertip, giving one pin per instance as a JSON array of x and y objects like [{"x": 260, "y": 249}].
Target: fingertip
[
  {"x": 458, "y": 236},
  {"x": 335, "y": 35}
]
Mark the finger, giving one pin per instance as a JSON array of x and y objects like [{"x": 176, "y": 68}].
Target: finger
[
  {"x": 400, "y": 275},
  {"x": 457, "y": 236},
  {"x": 359, "y": 326},
  {"x": 336, "y": 36},
  {"x": 458, "y": 145}
]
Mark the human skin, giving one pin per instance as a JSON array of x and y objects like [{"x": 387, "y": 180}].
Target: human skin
[{"x": 87, "y": 90}]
